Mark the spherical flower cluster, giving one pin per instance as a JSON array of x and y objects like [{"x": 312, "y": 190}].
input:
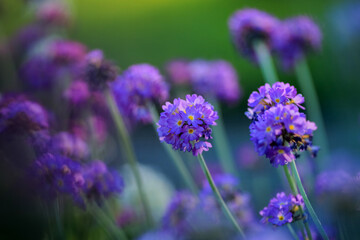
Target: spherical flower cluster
[
  {"x": 282, "y": 209},
  {"x": 238, "y": 202},
  {"x": 56, "y": 174},
  {"x": 98, "y": 71},
  {"x": 294, "y": 38},
  {"x": 18, "y": 115},
  {"x": 185, "y": 124},
  {"x": 279, "y": 130},
  {"x": 178, "y": 71},
  {"x": 178, "y": 210},
  {"x": 66, "y": 52},
  {"x": 248, "y": 26},
  {"x": 100, "y": 182},
  {"x": 77, "y": 94},
  {"x": 138, "y": 86},
  {"x": 69, "y": 145},
  {"x": 215, "y": 79}
]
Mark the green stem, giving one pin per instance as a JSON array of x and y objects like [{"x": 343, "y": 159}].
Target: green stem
[
  {"x": 129, "y": 151},
  {"x": 307, "y": 202},
  {"x": 312, "y": 102},
  {"x": 265, "y": 61},
  {"x": 58, "y": 219},
  {"x": 218, "y": 196},
  {"x": 295, "y": 192},
  {"x": 179, "y": 163},
  {"x": 222, "y": 144},
  {"x": 107, "y": 223},
  {"x": 291, "y": 230}
]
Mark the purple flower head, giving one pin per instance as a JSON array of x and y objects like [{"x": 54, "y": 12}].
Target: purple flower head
[
  {"x": 100, "y": 182},
  {"x": 18, "y": 115},
  {"x": 185, "y": 124},
  {"x": 25, "y": 38},
  {"x": 139, "y": 85},
  {"x": 282, "y": 209},
  {"x": 248, "y": 26},
  {"x": 70, "y": 146},
  {"x": 247, "y": 157},
  {"x": 178, "y": 71},
  {"x": 278, "y": 130},
  {"x": 98, "y": 71},
  {"x": 178, "y": 210},
  {"x": 215, "y": 79},
  {"x": 157, "y": 235},
  {"x": 53, "y": 13},
  {"x": 56, "y": 174},
  {"x": 294, "y": 38},
  {"x": 226, "y": 183},
  {"x": 126, "y": 217},
  {"x": 77, "y": 94},
  {"x": 39, "y": 72},
  {"x": 65, "y": 52}
]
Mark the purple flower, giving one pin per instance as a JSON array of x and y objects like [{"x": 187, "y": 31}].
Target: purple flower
[
  {"x": 77, "y": 94},
  {"x": 69, "y": 145},
  {"x": 139, "y": 85},
  {"x": 157, "y": 235},
  {"x": 278, "y": 130},
  {"x": 185, "y": 123},
  {"x": 178, "y": 210},
  {"x": 215, "y": 79},
  {"x": 64, "y": 52},
  {"x": 18, "y": 115},
  {"x": 39, "y": 72},
  {"x": 53, "y": 13},
  {"x": 178, "y": 71},
  {"x": 55, "y": 175},
  {"x": 294, "y": 38},
  {"x": 247, "y": 158},
  {"x": 100, "y": 182},
  {"x": 25, "y": 38},
  {"x": 248, "y": 26},
  {"x": 98, "y": 71},
  {"x": 282, "y": 209}
]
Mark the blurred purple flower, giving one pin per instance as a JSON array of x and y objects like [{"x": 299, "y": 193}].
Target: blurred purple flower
[
  {"x": 99, "y": 71},
  {"x": 69, "y": 145},
  {"x": 77, "y": 94},
  {"x": 139, "y": 85},
  {"x": 159, "y": 234},
  {"x": 294, "y": 38},
  {"x": 247, "y": 157},
  {"x": 65, "y": 52},
  {"x": 25, "y": 38},
  {"x": 178, "y": 71},
  {"x": 248, "y": 26},
  {"x": 215, "y": 79},
  {"x": 53, "y": 13}
]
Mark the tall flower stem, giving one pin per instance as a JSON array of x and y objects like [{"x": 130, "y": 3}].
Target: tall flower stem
[
  {"x": 59, "y": 223},
  {"x": 295, "y": 192},
  {"x": 222, "y": 144},
  {"x": 265, "y": 61},
  {"x": 218, "y": 196},
  {"x": 307, "y": 202},
  {"x": 291, "y": 230},
  {"x": 179, "y": 163},
  {"x": 129, "y": 151},
  {"x": 312, "y": 102}
]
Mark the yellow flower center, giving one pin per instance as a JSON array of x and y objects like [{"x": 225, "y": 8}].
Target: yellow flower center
[
  {"x": 191, "y": 131},
  {"x": 291, "y": 127},
  {"x": 179, "y": 123},
  {"x": 277, "y": 118},
  {"x": 280, "y": 151},
  {"x": 281, "y": 217},
  {"x": 268, "y": 129},
  {"x": 191, "y": 117},
  {"x": 60, "y": 183},
  {"x": 277, "y": 100}
]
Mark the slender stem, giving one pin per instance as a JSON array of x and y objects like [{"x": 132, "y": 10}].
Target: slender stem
[
  {"x": 291, "y": 230},
  {"x": 218, "y": 196},
  {"x": 295, "y": 192},
  {"x": 129, "y": 151},
  {"x": 175, "y": 156},
  {"x": 312, "y": 102},
  {"x": 222, "y": 144},
  {"x": 307, "y": 202},
  {"x": 58, "y": 218},
  {"x": 265, "y": 61},
  {"x": 107, "y": 223}
]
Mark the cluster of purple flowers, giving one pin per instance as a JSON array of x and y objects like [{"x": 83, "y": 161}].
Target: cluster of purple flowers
[
  {"x": 289, "y": 39},
  {"x": 216, "y": 79},
  {"x": 278, "y": 129},
  {"x": 69, "y": 145},
  {"x": 57, "y": 175},
  {"x": 283, "y": 209},
  {"x": 185, "y": 124},
  {"x": 138, "y": 86}
]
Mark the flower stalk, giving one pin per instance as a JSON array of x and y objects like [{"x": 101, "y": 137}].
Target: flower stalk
[{"x": 265, "y": 61}]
